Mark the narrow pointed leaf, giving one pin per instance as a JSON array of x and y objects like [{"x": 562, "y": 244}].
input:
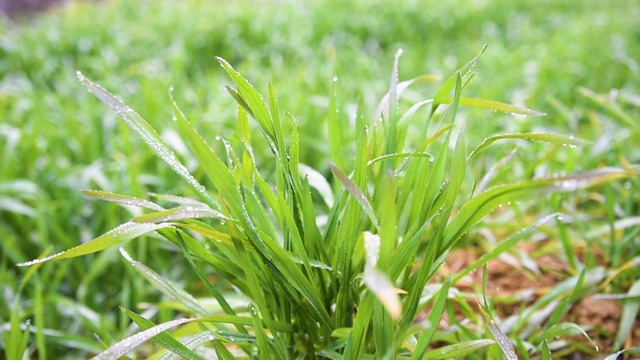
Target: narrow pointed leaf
[
  {"x": 355, "y": 191},
  {"x": 122, "y": 347},
  {"x": 479, "y": 206},
  {"x": 122, "y": 199},
  {"x": 166, "y": 286},
  {"x": 118, "y": 235},
  {"x": 543, "y": 137},
  {"x": 180, "y": 213},
  {"x": 148, "y": 134},
  {"x": 495, "y": 106},
  {"x": 163, "y": 339},
  {"x": 459, "y": 350},
  {"x": 501, "y": 338}
]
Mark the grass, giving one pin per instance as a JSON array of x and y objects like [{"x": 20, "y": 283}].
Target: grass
[{"x": 60, "y": 141}]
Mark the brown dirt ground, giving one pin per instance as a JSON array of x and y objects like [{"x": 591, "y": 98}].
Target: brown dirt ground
[{"x": 599, "y": 316}]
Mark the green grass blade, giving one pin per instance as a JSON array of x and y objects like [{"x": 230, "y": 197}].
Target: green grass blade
[
  {"x": 148, "y": 134},
  {"x": 121, "y": 348},
  {"x": 122, "y": 199},
  {"x": 479, "y": 206},
  {"x": 163, "y": 339},
  {"x": 450, "y": 83},
  {"x": 566, "y": 329},
  {"x": 495, "y": 106},
  {"x": 335, "y": 128},
  {"x": 118, "y": 235},
  {"x": 543, "y": 137},
  {"x": 356, "y": 192},
  {"x": 459, "y": 350},
  {"x": 166, "y": 286},
  {"x": 181, "y": 213},
  {"x": 253, "y": 100},
  {"x": 501, "y": 338}
]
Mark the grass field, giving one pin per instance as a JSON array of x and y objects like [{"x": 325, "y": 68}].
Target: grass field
[{"x": 329, "y": 64}]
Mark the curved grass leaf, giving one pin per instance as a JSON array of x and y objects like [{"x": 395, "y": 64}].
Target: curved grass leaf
[
  {"x": 479, "y": 206},
  {"x": 544, "y": 137},
  {"x": 122, "y": 199},
  {"x": 180, "y": 213},
  {"x": 148, "y": 135},
  {"x": 252, "y": 99},
  {"x": 495, "y": 106},
  {"x": 118, "y": 235},
  {"x": 355, "y": 191},
  {"x": 565, "y": 329},
  {"x": 403, "y": 155},
  {"x": 163, "y": 339},
  {"x": 166, "y": 286},
  {"x": 459, "y": 350},
  {"x": 383, "y": 105},
  {"x": 122, "y": 347},
  {"x": 450, "y": 83},
  {"x": 501, "y": 338}
]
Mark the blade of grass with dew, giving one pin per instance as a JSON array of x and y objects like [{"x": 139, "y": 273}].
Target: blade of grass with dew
[
  {"x": 450, "y": 83},
  {"x": 118, "y": 235},
  {"x": 480, "y": 205},
  {"x": 121, "y": 348},
  {"x": 501, "y": 338},
  {"x": 122, "y": 199},
  {"x": 335, "y": 128},
  {"x": 181, "y": 213},
  {"x": 181, "y": 239},
  {"x": 163, "y": 339},
  {"x": 191, "y": 342},
  {"x": 166, "y": 286},
  {"x": 629, "y": 313},
  {"x": 566, "y": 329},
  {"x": 254, "y": 100},
  {"x": 356, "y": 192},
  {"x": 220, "y": 175},
  {"x": 543, "y": 137},
  {"x": 148, "y": 135},
  {"x": 459, "y": 350},
  {"x": 495, "y": 106}
]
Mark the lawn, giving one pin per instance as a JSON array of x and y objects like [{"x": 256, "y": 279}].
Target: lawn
[{"x": 280, "y": 259}]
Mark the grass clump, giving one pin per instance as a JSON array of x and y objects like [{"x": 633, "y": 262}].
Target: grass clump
[{"x": 340, "y": 264}]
